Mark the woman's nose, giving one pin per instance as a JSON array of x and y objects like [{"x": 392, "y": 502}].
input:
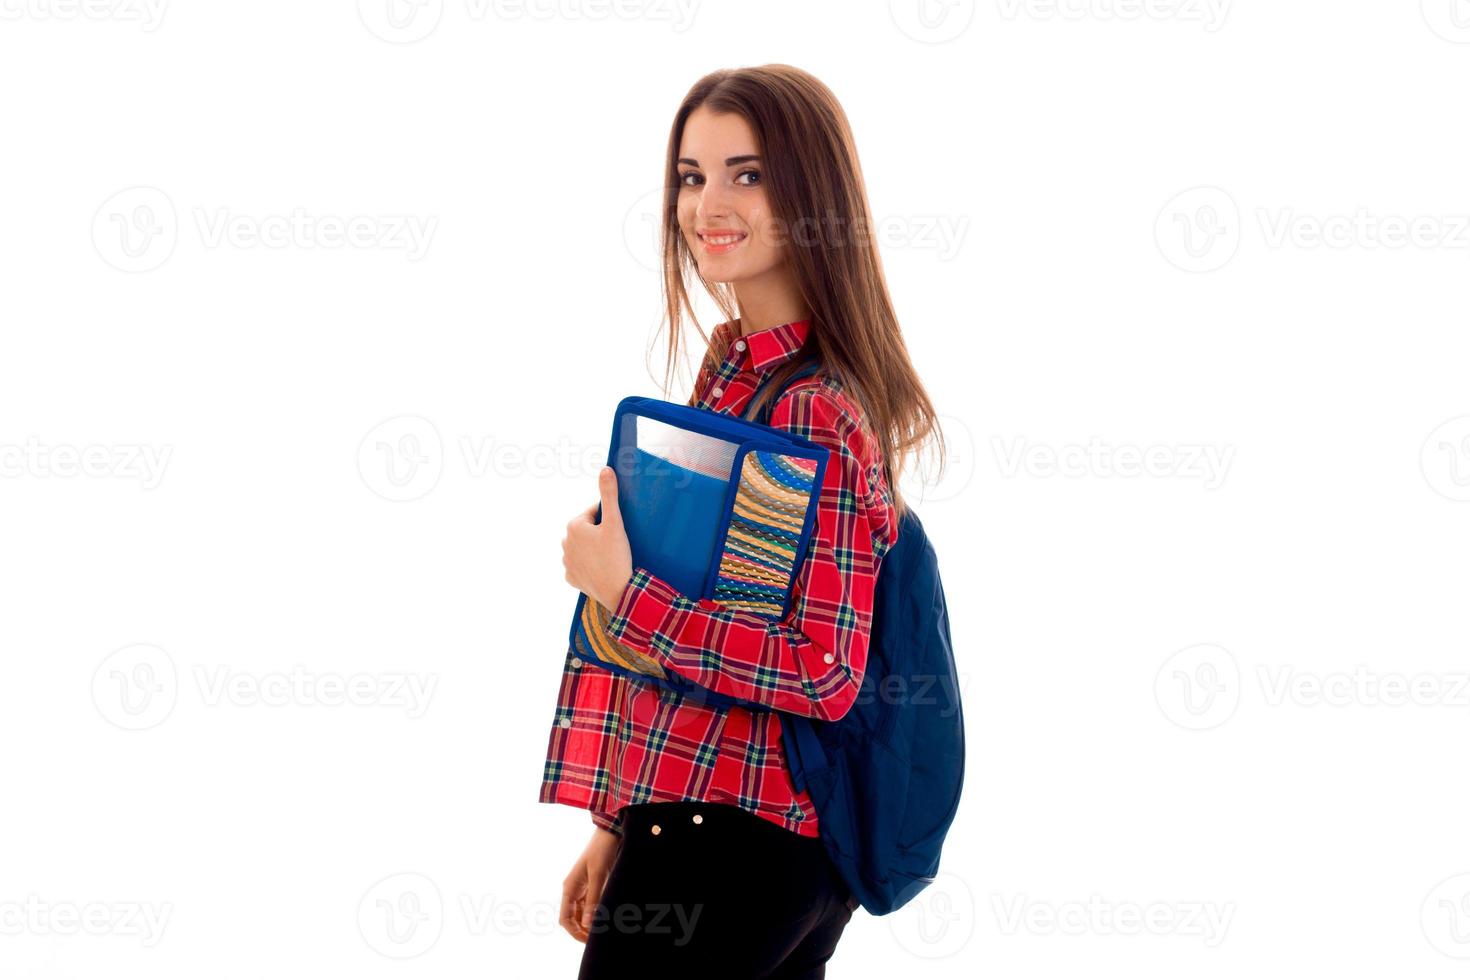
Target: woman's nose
[{"x": 714, "y": 200}]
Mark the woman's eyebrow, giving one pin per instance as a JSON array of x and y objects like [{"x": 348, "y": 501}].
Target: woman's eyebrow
[{"x": 729, "y": 161}]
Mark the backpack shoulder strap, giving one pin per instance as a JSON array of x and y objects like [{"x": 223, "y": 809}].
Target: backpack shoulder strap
[{"x": 811, "y": 367}]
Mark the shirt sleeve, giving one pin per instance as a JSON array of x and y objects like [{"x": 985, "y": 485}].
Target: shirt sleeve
[
  {"x": 611, "y": 823},
  {"x": 812, "y": 662}
]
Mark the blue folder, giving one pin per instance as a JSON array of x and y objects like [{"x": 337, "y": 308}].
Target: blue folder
[{"x": 719, "y": 507}]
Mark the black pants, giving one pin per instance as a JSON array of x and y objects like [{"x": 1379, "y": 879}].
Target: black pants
[{"x": 711, "y": 890}]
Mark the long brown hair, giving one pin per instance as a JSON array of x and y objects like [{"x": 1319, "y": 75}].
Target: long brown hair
[{"x": 815, "y": 189}]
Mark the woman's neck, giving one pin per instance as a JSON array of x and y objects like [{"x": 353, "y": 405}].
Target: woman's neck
[{"x": 774, "y": 305}]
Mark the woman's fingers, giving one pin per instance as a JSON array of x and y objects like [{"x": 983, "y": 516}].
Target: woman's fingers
[
  {"x": 579, "y": 932},
  {"x": 572, "y": 921},
  {"x": 594, "y": 895},
  {"x": 573, "y": 890}
]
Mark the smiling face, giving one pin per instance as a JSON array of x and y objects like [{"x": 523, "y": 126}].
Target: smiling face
[{"x": 723, "y": 212}]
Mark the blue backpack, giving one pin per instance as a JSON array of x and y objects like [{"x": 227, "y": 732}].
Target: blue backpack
[{"x": 885, "y": 778}]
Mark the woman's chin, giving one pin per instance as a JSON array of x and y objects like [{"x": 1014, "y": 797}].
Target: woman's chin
[{"x": 722, "y": 272}]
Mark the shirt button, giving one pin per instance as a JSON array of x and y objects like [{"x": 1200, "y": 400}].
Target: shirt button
[
  {"x": 655, "y": 829},
  {"x": 828, "y": 658},
  {"x": 566, "y": 723},
  {"x": 576, "y": 662},
  {"x": 740, "y": 345},
  {"x": 698, "y": 818},
  {"x": 717, "y": 392}
]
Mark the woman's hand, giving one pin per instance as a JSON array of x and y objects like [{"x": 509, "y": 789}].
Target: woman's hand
[
  {"x": 597, "y": 557},
  {"x": 581, "y": 890}
]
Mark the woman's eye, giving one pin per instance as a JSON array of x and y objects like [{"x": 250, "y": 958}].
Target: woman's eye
[
  {"x": 684, "y": 178},
  {"x": 752, "y": 173}
]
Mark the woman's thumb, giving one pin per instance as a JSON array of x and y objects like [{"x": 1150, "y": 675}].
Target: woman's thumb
[{"x": 607, "y": 486}]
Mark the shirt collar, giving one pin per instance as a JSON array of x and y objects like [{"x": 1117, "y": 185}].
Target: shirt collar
[{"x": 767, "y": 348}]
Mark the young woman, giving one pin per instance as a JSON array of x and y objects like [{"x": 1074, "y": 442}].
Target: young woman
[{"x": 705, "y": 857}]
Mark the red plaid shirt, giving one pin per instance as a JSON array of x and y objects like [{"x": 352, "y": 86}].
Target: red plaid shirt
[{"x": 617, "y": 740}]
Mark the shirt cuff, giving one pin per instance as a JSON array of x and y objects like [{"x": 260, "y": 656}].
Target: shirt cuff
[
  {"x": 612, "y": 824},
  {"x": 648, "y": 613}
]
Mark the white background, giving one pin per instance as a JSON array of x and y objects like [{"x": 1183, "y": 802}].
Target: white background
[{"x": 1189, "y": 229}]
